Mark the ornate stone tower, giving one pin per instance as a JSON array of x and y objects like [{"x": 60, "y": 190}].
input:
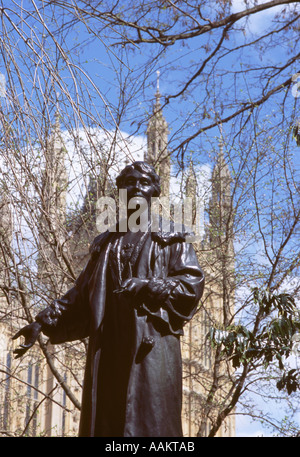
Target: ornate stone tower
[
  {"x": 191, "y": 190},
  {"x": 55, "y": 177},
  {"x": 216, "y": 257},
  {"x": 220, "y": 237},
  {"x": 220, "y": 209},
  {"x": 157, "y": 153},
  {"x": 6, "y": 229},
  {"x": 53, "y": 210}
]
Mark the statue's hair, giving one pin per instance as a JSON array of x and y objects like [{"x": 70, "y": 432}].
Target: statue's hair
[{"x": 142, "y": 167}]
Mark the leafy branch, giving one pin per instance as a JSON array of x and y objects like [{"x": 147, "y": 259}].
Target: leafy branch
[{"x": 270, "y": 341}]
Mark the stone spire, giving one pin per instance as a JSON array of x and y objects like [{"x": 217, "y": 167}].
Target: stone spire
[
  {"x": 191, "y": 181},
  {"x": 6, "y": 232},
  {"x": 157, "y": 143},
  {"x": 55, "y": 176},
  {"x": 6, "y": 227},
  {"x": 191, "y": 190},
  {"x": 52, "y": 228},
  {"x": 221, "y": 206}
]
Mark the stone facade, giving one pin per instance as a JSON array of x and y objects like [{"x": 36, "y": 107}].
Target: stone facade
[{"x": 32, "y": 400}]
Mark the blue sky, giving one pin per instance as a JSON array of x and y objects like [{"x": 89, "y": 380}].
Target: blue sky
[{"x": 99, "y": 61}]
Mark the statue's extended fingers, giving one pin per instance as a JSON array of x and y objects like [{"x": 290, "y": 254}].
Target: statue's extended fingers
[
  {"x": 26, "y": 346},
  {"x": 19, "y": 352},
  {"x": 18, "y": 334}
]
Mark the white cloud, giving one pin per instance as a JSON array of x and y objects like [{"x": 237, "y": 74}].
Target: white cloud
[
  {"x": 261, "y": 20},
  {"x": 87, "y": 149}
]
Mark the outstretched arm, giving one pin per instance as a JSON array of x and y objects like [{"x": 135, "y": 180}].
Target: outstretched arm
[{"x": 66, "y": 319}]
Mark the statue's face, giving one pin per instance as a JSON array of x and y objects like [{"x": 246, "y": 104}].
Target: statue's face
[{"x": 138, "y": 184}]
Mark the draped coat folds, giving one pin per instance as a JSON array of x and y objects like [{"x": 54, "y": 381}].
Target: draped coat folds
[{"x": 133, "y": 377}]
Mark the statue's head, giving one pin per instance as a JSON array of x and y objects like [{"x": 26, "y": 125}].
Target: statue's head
[{"x": 138, "y": 173}]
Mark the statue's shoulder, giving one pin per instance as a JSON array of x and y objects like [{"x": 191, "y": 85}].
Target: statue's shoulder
[
  {"x": 167, "y": 233},
  {"x": 169, "y": 238},
  {"x": 98, "y": 242}
]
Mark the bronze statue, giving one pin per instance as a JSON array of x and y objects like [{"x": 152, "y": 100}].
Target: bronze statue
[{"x": 132, "y": 300}]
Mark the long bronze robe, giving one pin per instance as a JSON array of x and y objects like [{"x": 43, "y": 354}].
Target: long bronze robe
[{"x": 133, "y": 377}]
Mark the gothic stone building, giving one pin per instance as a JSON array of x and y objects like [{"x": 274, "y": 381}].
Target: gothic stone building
[{"x": 32, "y": 398}]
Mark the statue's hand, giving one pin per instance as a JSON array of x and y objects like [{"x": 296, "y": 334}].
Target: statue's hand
[
  {"x": 132, "y": 286},
  {"x": 30, "y": 333}
]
